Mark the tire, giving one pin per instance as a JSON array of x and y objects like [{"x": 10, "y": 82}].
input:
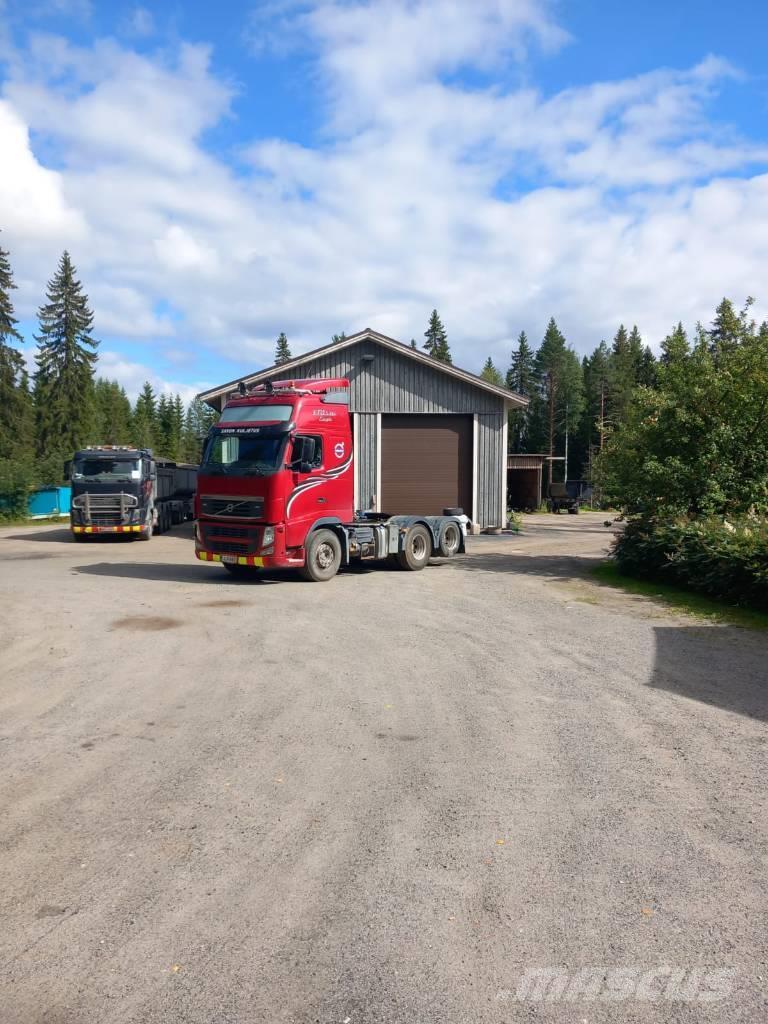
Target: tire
[
  {"x": 79, "y": 538},
  {"x": 147, "y": 534},
  {"x": 453, "y": 511},
  {"x": 573, "y": 511},
  {"x": 323, "y": 557},
  {"x": 417, "y": 548},
  {"x": 450, "y": 540}
]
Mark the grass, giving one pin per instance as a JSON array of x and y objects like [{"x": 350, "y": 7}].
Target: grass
[
  {"x": 683, "y": 600},
  {"x": 26, "y": 521}
]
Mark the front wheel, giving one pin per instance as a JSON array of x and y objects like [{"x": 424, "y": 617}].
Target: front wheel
[
  {"x": 323, "y": 557},
  {"x": 416, "y": 550},
  {"x": 147, "y": 534}
]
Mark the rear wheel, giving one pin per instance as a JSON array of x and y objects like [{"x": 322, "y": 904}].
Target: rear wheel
[
  {"x": 417, "y": 547},
  {"x": 323, "y": 557},
  {"x": 573, "y": 510},
  {"x": 450, "y": 540}
]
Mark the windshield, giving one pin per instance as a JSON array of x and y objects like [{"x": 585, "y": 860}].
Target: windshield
[
  {"x": 256, "y": 413},
  {"x": 105, "y": 470},
  {"x": 242, "y": 454}
]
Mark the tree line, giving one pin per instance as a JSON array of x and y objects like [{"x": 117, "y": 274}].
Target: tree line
[{"x": 64, "y": 406}]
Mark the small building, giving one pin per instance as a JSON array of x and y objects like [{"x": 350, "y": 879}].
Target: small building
[
  {"x": 526, "y": 475},
  {"x": 427, "y": 435}
]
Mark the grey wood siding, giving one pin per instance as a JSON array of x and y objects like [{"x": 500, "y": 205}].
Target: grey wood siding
[
  {"x": 390, "y": 382},
  {"x": 366, "y": 459},
  {"x": 387, "y": 382},
  {"x": 490, "y": 462}
]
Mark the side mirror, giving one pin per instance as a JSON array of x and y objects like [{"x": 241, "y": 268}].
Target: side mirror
[
  {"x": 303, "y": 455},
  {"x": 68, "y": 469},
  {"x": 152, "y": 471}
]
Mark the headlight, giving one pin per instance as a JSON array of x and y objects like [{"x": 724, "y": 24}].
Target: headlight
[{"x": 268, "y": 537}]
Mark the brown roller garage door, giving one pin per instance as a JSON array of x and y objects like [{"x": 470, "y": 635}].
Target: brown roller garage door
[{"x": 426, "y": 464}]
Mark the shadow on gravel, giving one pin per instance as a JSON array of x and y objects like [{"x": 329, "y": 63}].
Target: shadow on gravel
[
  {"x": 59, "y": 535},
  {"x": 551, "y": 566},
  {"x": 722, "y": 666},
  {"x": 171, "y": 572}
]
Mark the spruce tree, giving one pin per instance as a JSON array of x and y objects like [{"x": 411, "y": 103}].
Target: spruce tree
[
  {"x": 675, "y": 346},
  {"x": 282, "y": 350},
  {"x": 145, "y": 425},
  {"x": 413, "y": 343},
  {"x": 199, "y": 419},
  {"x": 11, "y": 366},
  {"x": 521, "y": 379},
  {"x": 338, "y": 338},
  {"x": 113, "y": 413},
  {"x": 66, "y": 356},
  {"x": 491, "y": 374},
  {"x": 436, "y": 342},
  {"x": 623, "y": 377}
]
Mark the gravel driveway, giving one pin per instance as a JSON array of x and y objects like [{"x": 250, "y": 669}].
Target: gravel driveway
[{"x": 381, "y": 799}]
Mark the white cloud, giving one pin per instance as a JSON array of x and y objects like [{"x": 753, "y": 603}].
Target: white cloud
[
  {"x": 614, "y": 201},
  {"x": 132, "y": 375}
]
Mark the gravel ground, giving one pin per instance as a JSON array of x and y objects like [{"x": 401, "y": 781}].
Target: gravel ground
[{"x": 381, "y": 799}]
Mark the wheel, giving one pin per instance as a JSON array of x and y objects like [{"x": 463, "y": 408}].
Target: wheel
[
  {"x": 147, "y": 534},
  {"x": 79, "y": 538},
  {"x": 450, "y": 540},
  {"x": 573, "y": 510},
  {"x": 453, "y": 511},
  {"x": 416, "y": 550},
  {"x": 323, "y": 557}
]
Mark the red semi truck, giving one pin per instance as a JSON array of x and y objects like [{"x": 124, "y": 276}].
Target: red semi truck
[{"x": 275, "y": 490}]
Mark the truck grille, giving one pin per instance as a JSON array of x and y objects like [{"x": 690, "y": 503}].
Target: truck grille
[
  {"x": 105, "y": 509},
  {"x": 242, "y": 508},
  {"x": 230, "y": 540}
]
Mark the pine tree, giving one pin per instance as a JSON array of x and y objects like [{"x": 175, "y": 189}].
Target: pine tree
[
  {"x": 338, "y": 338},
  {"x": 413, "y": 343},
  {"x": 66, "y": 356},
  {"x": 647, "y": 375},
  {"x": 436, "y": 342},
  {"x": 491, "y": 374},
  {"x": 558, "y": 396},
  {"x": 282, "y": 350},
  {"x": 11, "y": 366},
  {"x": 145, "y": 425}
]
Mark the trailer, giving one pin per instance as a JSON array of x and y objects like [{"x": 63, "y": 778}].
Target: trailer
[
  {"x": 561, "y": 496},
  {"x": 276, "y": 490}
]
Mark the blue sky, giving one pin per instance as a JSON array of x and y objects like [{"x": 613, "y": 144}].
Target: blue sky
[{"x": 224, "y": 172}]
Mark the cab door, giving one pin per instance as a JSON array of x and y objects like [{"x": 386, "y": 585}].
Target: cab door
[{"x": 307, "y": 498}]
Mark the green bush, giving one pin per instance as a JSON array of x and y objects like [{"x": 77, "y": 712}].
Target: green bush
[
  {"x": 16, "y": 483},
  {"x": 724, "y": 559}
]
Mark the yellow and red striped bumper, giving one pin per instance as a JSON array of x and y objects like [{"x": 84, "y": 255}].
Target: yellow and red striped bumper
[
  {"x": 209, "y": 556},
  {"x": 107, "y": 529}
]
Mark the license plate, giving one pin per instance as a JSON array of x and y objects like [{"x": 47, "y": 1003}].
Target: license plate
[{"x": 229, "y": 559}]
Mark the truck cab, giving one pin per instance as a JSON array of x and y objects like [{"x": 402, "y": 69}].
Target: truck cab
[{"x": 276, "y": 488}]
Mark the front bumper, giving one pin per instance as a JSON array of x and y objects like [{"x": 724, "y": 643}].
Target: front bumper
[
  {"x": 209, "y": 556},
  {"x": 108, "y": 529}
]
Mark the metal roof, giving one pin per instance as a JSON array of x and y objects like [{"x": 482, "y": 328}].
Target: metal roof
[{"x": 284, "y": 369}]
